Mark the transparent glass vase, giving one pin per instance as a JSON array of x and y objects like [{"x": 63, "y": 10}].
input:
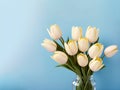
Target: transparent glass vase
[{"x": 78, "y": 85}]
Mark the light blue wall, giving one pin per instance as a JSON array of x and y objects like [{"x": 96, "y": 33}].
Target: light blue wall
[{"x": 25, "y": 65}]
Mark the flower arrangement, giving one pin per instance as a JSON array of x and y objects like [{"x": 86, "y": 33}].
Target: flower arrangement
[{"x": 81, "y": 54}]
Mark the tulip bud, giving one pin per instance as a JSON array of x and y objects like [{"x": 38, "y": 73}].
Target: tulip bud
[
  {"x": 49, "y": 45},
  {"x": 76, "y": 33},
  {"x": 55, "y": 32},
  {"x": 111, "y": 50},
  {"x": 96, "y": 64},
  {"x": 95, "y": 50},
  {"x": 92, "y": 34},
  {"x": 60, "y": 57},
  {"x": 82, "y": 60},
  {"x": 83, "y": 44},
  {"x": 71, "y": 47}
]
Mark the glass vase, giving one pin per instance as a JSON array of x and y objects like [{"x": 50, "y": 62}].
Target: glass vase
[{"x": 79, "y": 85}]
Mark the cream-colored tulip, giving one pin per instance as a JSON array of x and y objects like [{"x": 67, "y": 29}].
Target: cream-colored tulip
[
  {"x": 55, "y": 32},
  {"x": 60, "y": 57},
  {"x": 76, "y": 33},
  {"x": 95, "y": 50},
  {"x": 92, "y": 34},
  {"x": 83, "y": 44},
  {"x": 71, "y": 47},
  {"x": 111, "y": 50},
  {"x": 49, "y": 45},
  {"x": 96, "y": 64},
  {"x": 82, "y": 60}
]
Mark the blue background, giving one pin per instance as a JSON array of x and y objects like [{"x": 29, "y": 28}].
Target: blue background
[{"x": 25, "y": 65}]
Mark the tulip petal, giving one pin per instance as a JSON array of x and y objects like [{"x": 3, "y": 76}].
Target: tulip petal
[
  {"x": 60, "y": 57},
  {"x": 111, "y": 50}
]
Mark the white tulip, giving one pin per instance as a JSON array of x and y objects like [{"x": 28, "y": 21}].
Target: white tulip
[
  {"x": 71, "y": 47},
  {"x": 49, "y": 45},
  {"x": 92, "y": 34},
  {"x": 83, "y": 44},
  {"x": 96, "y": 64},
  {"x": 95, "y": 50},
  {"x": 60, "y": 57},
  {"x": 111, "y": 50},
  {"x": 55, "y": 32},
  {"x": 76, "y": 33},
  {"x": 82, "y": 60}
]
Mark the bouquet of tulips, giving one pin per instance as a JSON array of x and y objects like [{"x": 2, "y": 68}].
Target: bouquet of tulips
[{"x": 81, "y": 55}]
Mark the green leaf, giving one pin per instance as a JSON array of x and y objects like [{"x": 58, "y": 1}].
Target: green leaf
[
  {"x": 77, "y": 68},
  {"x": 66, "y": 66},
  {"x": 59, "y": 48},
  {"x": 67, "y": 39},
  {"x": 103, "y": 67}
]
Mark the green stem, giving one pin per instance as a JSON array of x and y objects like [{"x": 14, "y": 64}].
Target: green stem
[
  {"x": 87, "y": 79},
  {"x": 70, "y": 60},
  {"x": 70, "y": 67},
  {"x": 75, "y": 61},
  {"x": 83, "y": 71},
  {"x": 62, "y": 41},
  {"x": 82, "y": 76},
  {"x": 77, "y": 70},
  {"x": 103, "y": 56}
]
